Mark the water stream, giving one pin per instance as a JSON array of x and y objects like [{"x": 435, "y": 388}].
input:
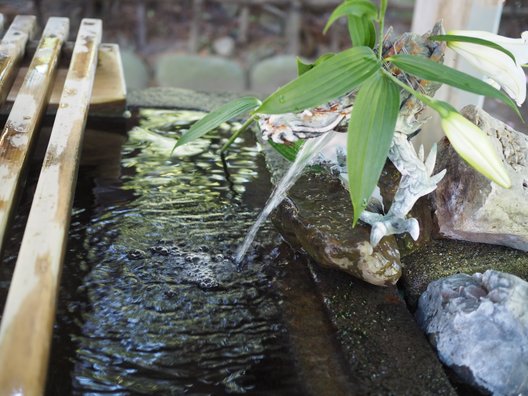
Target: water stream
[{"x": 309, "y": 150}]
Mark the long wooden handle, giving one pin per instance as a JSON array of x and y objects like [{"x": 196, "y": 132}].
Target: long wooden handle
[
  {"x": 12, "y": 49},
  {"x": 27, "y": 324}
]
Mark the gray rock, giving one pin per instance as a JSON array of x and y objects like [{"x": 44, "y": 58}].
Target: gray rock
[
  {"x": 272, "y": 73},
  {"x": 471, "y": 207},
  {"x": 224, "y": 46},
  {"x": 479, "y": 326},
  {"x": 201, "y": 73},
  {"x": 137, "y": 74}
]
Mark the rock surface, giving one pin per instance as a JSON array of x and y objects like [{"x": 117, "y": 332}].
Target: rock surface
[
  {"x": 269, "y": 74},
  {"x": 318, "y": 216},
  {"x": 479, "y": 326},
  {"x": 137, "y": 73},
  {"x": 471, "y": 207},
  {"x": 386, "y": 352},
  {"x": 210, "y": 74}
]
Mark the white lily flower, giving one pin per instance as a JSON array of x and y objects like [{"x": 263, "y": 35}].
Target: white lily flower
[
  {"x": 475, "y": 147},
  {"x": 495, "y": 64}
]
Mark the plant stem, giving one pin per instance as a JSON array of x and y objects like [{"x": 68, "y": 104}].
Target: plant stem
[
  {"x": 383, "y": 8},
  {"x": 244, "y": 126},
  {"x": 441, "y": 107}
]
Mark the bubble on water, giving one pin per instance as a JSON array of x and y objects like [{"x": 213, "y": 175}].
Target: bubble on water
[{"x": 136, "y": 254}]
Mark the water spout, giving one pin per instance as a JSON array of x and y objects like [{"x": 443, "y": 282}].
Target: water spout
[{"x": 309, "y": 150}]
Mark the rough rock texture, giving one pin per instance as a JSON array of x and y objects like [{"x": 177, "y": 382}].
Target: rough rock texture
[
  {"x": 479, "y": 326},
  {"x": 469, "y": 206},
  {"x": 447, "y": 257},
  {"x": 318, "y": 216},
  {"x": 386, "y": 352}
]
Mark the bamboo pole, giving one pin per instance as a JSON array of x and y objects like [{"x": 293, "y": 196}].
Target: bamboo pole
[
  {"x": 27, "y": 323},
  {"x": 12, "y": 50},
  {"x": 20, "y": 128},
  {"x": 455, "y": 14}
]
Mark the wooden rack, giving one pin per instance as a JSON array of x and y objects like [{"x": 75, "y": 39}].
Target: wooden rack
[{"x": 90, "y": 80}]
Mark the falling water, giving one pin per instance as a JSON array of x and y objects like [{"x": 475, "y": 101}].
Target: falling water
[{"x": 309, "y": 150}]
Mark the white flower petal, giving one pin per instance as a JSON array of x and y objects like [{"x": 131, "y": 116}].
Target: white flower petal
[{"x": 497, "y": 66}]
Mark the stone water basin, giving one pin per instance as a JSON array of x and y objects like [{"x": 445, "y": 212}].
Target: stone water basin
[{"x": 152, "y": 303}]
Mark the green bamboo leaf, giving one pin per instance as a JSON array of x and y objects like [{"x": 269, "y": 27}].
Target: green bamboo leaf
[
  {"x": 473, "y": 40},
  {"x": 429, "y": 70},
  {"x": 370, "y": 132},
  {"x": 288, "y": 151},
  {"x": 304, "y": 67},
  {"x": 362, "y": 31},
  {"x": 218, "y": 116},
  {"x": 336, "y": 76},
  {"x": 358, "y": 8}
]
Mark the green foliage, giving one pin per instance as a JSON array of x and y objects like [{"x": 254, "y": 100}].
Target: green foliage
[
  {"x": 362, "y": 31},
  {"x": 224, "y": 113},
  {"x": 429, "y": 70},
  {"x": 474, "y": 40},
  {"x": 370, "y": 132},
  {"x": 304, "y": 67},
  {"x": 334, "y": 77},
  {"x": 288, "y": 151},
  {"x": 357, "y": 8}
]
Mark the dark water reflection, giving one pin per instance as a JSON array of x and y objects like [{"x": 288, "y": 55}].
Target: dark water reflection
[{"x": 151, "y": 302}]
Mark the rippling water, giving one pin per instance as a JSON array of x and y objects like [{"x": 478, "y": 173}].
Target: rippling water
[{"x": 152, "y": 302}]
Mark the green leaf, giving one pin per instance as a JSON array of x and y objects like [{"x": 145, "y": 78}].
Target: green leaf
[
  {"x": 358, "y": 8},
  {"x": 370, "y": 132},
  {"x": 334, "y": 77},
  {"x": 288, "y": 151},
  {"x": 218, "y": 116},
  {"x": 304, "y": 67},
  {"x": 362, "y": 31},
  {"x": 429, "y": 70},
  {"x": 473, "y": 40}
]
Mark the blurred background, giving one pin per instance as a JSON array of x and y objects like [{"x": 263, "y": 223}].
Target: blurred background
[{"x": 249, "y": 45}]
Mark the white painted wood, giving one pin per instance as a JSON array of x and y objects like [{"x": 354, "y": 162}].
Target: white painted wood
[
  {"x": 12, "y": 50},
  {"x": 27, "y": 323},
  {"x": 20, "y": 128},
  {"x": 455, "y": 14}
]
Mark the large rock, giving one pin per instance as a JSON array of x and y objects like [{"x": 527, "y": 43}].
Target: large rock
[
  {"x": 137, "y": 73},
  {"x": 272, "y": 73},
  {"x": 471, "y": 207},
  {"x": 479, "y": 326},
  {"x": 318, "y": 217},
  {"x": 202, "y": 73}
]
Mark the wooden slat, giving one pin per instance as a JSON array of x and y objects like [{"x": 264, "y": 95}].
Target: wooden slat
[
  {"x": 27, "y": 323},
  {"x": 109, "y": 91},
  {"x": 12, "y": 49},
  {"x": 19, "y": 130}
]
